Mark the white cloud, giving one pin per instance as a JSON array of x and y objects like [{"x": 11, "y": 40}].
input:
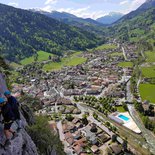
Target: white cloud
[
  {"x": 94, "y": 10},
  {"x": 83, "y": 12},
  {"x": 133, "y": 6},
  {"x": 13, "y": 4},
  {"x": 124, "y": 2},
  {"x": 47, "y": 8},
  {"x": 136, "y": 3},
  {"x": 51, "y": 2}
]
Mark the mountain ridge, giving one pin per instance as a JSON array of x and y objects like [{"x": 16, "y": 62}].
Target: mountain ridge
[
  {"x": 145, "y": 6},
  {"x": 110, "y": 18},
  {"x": 87, "y": 24},
  {"x": 137, "y": 26},
  {"x": 24, "y": 33}
]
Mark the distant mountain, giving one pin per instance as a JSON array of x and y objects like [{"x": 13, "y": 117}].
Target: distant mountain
[
  {"x": 23, "y": 33},
  {"x": 138, "y": 25},
  {"x": 55, "y": 14},
  {"x": 110, "y": 18},
  {"x": 148, "y": 4},
  {"x": 87, "y": 24},
  {"x": 144, "y": 7}
]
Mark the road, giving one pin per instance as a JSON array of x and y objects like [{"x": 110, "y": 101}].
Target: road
[
  {"x": 150, "y": 138},
  {"x": 59, "y": 126},
  {"x": 91, "y": 119},
  {"x": 142, "y": 53},
  {"x": 129, "y": 95},
  {"x": 125, "y": 57},
  {"x": 67, "y": 150},
  {"x": 99, "y": 124}
]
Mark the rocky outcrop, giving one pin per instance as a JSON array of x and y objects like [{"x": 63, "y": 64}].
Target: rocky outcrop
[
  {"x": 28, "y": 115},
  {"x": 3, "y": 87},
  {"x": 21, "y": 145}
]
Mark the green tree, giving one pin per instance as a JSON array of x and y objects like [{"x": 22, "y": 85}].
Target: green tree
[
  {"x": 125, "y": 144},
  {"x": 84, "y": 120},
  {"x": 44, "y": 138},
  {"x": 114, "y": 138},
  {"x": 69, "y": 117}
]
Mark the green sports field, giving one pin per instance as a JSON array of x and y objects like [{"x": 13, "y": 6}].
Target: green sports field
[
  {"x": 148, "y": 72},
  {"x": 125, "y": 64},
  {"x": 147, "y": 92}
]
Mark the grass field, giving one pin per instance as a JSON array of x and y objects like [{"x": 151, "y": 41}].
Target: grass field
[
  {"x": 14, "y": 65},
  {"x": 125, "y": 64},
  {"x": 120, "y": 109},
  {"x": 117, "y": 54},
  {"x": 72, "y": 60},
  {"x": 106, "y": 47},
  {"x": 148, "y": 72},
  {"x": 53, "y": 66},
  {"x": 147, "y": 92},
  {"x": 27, "y": 61},
  {"x": 42, "y": 56},
  {"x": 150, "y": 56}
]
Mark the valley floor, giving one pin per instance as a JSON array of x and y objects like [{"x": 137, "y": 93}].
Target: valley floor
[{"x": 80, "y": 98}]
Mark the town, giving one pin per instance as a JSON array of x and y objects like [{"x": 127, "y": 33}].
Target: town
[{"x": 90, "y": 105}]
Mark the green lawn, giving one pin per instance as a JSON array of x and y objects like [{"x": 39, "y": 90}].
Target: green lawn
[
  {"x": 150, "y": 56},
  {"x": 75, "y": 61},
  {"x": 117, "y": 54},
  {"x": 42, "y": 56},
  {"x": 53, "y": 66},
  {"x": 148, "y": 72},
  {"x": 106, "y": 47},
  {"x": 120, "y": 109},
  {"x": 147, "y": 92},
  {"x": 72, "y": 60},
  {"x": 14, "y": 65},
  {"x": 27, "y": 61},
  {"x": 125, "y": 64}
]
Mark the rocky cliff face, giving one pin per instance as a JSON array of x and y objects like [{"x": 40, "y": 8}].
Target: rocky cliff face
[
  {"x": 22, "y": 144},
  {"x": 3, "y": 87}
]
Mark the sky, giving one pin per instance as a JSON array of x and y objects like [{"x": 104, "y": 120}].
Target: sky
[{"x": 81, "y": 8}]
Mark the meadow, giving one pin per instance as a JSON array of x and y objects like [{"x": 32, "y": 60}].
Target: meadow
[
  {"x": 150, "y": 56},
  {"x": 116, "y": 54},
  {"x": 42, "y": 56},
  {"x": 120, "y": 109},
  {"x": 125, "y": 64},
  {"x": 72, "y": 60},
  {"x": 106, "y": 47},
  {"x": 147, "y": 92},
  {"x": 148, "y": 72}
]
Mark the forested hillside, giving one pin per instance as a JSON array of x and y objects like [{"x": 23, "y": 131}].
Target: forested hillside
[
  {"x": 137, "y": 26},
  {"x": 87, "y": 24},
  {"x": 23, "y": 33}
]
